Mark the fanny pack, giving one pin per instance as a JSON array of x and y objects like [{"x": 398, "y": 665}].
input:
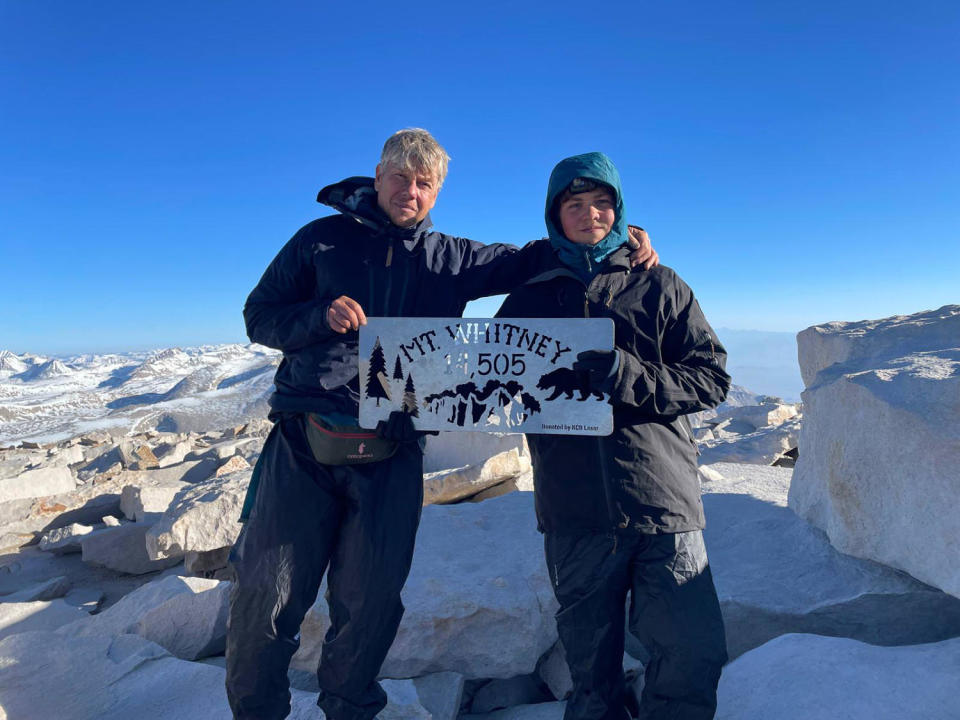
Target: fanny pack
[{"x": 345, "y": 444}]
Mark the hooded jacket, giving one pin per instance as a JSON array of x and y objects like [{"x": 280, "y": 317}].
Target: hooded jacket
[
  {"x": 643, "y": 476},
  {"x": 391, "y": 271}
]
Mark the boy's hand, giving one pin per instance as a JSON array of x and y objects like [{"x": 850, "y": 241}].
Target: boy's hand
[
  {"x": 642, "y": 251},
  {"x": 398, "y": 427},
  {"x": 345, "y": 314},
  {"x": 596, "y": 368}
]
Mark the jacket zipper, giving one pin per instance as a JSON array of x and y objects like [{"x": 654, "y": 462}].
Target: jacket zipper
[
  {"x": 387, "y": 264},
  {"x": 612, "y": 509},
  {"x": 688, "y": 434}
]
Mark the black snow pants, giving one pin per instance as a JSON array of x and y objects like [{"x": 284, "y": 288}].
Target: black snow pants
[
  {"x": 674, "y": 613},
  {"x": 356, "y": 522}
]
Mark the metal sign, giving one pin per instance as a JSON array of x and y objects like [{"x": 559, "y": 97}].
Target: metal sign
[{"x": 493, "y": 375}]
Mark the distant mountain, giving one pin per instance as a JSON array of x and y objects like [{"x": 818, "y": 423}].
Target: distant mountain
[
  {"x": 182, "y": 388},
  {"x": 11, "y": 364},
  {"x": 46, "y": 371}
]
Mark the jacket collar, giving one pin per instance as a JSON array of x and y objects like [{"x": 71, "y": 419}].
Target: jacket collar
[
  {"x": 617, "y": 261},
  {"x": 356, "y": 197}
]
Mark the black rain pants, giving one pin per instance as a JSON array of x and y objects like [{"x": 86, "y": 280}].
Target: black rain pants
[
  {"x": 356, "y": 522},
  {"x": 674, "y": 613}
]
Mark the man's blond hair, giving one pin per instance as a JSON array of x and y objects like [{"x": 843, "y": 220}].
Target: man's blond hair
[{"x": 415, "y": 149}]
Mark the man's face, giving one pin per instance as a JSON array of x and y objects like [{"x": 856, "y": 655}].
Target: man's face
[
  {"x": 404, "y": 195},
  {"x": 586, "y": 218}
]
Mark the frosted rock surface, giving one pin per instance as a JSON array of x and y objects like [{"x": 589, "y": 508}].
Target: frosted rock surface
[
  {"x": 204, "y": 516},
  {"x": 478, "y": 599},
  {"x": 809, "y": 677},
  {"x": 776, "y": 574},
  {"x": 879, "y": 466}
]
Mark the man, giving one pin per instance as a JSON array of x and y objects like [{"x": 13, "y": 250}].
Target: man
[
  {"x": 315, "y": 508},
  {"x": 622, "y": 514}
]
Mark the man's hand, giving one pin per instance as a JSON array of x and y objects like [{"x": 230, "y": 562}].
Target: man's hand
[
  {"x": 345, "y": 314},
  {"x": 642, "y": 251}
]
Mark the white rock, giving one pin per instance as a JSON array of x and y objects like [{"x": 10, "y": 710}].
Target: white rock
[
  {"x": 124, "y": 549},
  {"x": 555, "y": 672},
  {"x": 459, "y": 449},
  {"x": 403, "y": 702},
  {"x": 106, "y": 678},
  {"x": 26, "y": 516},
  {"x": 149, "y": 498},
  {"x": 21, "y": 617},
  {"x": 478, "y": 599},
  {"x": 199, "y": 563},
  {"x": 858, "y": 343},
  {"x": 202, "y": 517},
  {"x": 235, "y": 463},
  {"x": 879, "y": 466},
  {"x": 226, "y": 450},
  {"x": 762, "y": 415},
  {"x": 67, "y": 455},
  {"x": 185, "y": 615},
  {"x": 51, "y": 589},
  {"x": 448, "y": 486},
  {"x": 110, "y": 521},
  {"x": 173, "y": 454},
  {"x": 540, "y": 711},
  {"x": 37, "y": 483},
  {"x": 440, "y": 694},
  {"x": 808, "y": 677},
  {"x": 86, "y": 599},
  {"x": 776, "y": 574},
  {"x": 136, "y": 455},
  {"x": 66, "y": 539},
  {"x": 755, "y": 446}
]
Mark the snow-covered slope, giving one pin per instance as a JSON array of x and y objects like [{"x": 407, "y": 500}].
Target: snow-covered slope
[{"x": 178, "y": 389}]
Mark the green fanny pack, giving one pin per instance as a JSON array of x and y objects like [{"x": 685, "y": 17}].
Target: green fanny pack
[{"x": 345, "y": 444}]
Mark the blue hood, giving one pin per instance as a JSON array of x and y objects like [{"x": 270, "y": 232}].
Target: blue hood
[{"x": 585, "y": 260}]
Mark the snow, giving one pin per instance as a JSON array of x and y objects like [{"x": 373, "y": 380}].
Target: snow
[{"x": 46, "y": 399}]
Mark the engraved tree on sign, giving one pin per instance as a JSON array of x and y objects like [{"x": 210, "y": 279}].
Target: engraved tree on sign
[{"x": 378, "y": 386}]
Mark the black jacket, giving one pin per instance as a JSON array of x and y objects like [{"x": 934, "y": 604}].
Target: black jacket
[
  {"x": 644, "y": 475},
  {"x": 390, "y": 271}
]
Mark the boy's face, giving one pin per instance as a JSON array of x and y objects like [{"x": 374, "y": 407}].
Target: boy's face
[{"x": 587, "y": 218}]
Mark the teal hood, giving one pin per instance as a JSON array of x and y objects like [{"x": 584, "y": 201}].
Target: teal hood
[{"x": 585, "y": 260}]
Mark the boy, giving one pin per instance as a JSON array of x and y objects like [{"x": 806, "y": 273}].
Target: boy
[{"x": 622, "y": 513}]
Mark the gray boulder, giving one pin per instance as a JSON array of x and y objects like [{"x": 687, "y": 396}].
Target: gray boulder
[
  {"x": 879, "y": 465},
  {"x": 478, "y": 599},
  {"x": 185, "y": 615},
  {"x": 447, "y": 486},
  {"x": 118, "y": 678},
  {"x": 62, "y": 541},
  {"x": 149, "y": 498},
  {"x": 202, "y": 517},
  {"x": 459, "y": 449},
  {"x": 55, "y": 587},
  {"x": 777, "y": 574},
  {"x": 809, "y": 677},
  {"x": 124, "y": 549},
  {"x": 37, "y": 483},
  {"x": 21, "y": 617}
]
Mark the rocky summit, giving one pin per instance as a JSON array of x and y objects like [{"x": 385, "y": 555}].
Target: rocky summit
[{"x": 837, "y": 578}]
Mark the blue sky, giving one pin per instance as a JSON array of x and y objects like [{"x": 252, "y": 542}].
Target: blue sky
[{"x": 795, "y": 162}]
